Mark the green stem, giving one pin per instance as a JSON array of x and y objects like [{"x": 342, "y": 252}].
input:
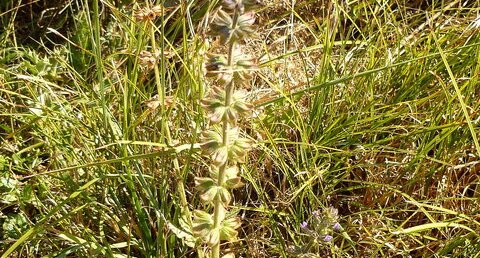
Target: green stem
[
  {"x": 160, "y": 81},
  {"x": 229, "y": 89},
  {"x": 98, "y": 60}
]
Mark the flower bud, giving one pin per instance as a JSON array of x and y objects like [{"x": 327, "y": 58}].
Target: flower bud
[
  {"x": 304, "y": 225},
  {"x": 327, "y": 238},
  {"x": 337, "y": 226}
]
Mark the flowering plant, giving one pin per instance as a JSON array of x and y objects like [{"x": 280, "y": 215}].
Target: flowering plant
[
  {"x": 222, "y": 141},
  {"x": 320, "y": 230}
]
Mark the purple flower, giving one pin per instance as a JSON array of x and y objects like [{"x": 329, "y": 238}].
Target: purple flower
[
  {"x": 316, "y": 213},
  {"x": 304, "y": 225},
  {"x": 337, "y": 226},
  {"x": 327, "y": 238}
]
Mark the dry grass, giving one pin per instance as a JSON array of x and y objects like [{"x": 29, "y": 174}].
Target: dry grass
[{"x": 356, "y": 109}]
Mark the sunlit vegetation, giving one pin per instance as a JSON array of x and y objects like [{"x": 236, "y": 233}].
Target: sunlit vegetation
[{"x": 239, "y": 128}]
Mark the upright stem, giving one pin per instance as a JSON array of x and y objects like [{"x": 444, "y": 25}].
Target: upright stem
[
  {"x": 229, "y": 88},
  {"x": 98, "y": 60},
  {"x": 160, "y": 81}
]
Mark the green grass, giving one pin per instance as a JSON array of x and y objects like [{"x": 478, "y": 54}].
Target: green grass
[{"x": 369, "y": 107}]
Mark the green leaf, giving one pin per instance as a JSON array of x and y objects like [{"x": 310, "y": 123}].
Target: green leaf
[
  {"x": 210, "y": 194},
  {"x": 202, "y": 223},
  {"x": 233, "y": 222},
  {"x": 213, "y": 236},
  {"x": 202, "y": 216},
  {"x": 218, "y": 114},
  {"x": 429, "y": 226},
  {"x": 187, "y": 237},
  {"x": 231, "y": 172},
  {"x": 220, "y": 156},
  {"x": 242, "y": 106},
  {"x": 231, "y": 115},
  {"x": 239, "y": 149},
  {"x": 211, "y": 141},
  {"x": 234, "y": 183},
  {"x": 7, "y": 184},
  {"x": 232, "y": 180},
  {"x": 224, "y": 195},
  {"x": 229, "y": 229},
  {"x": 14, "y": 225},
  {"x": 204, "y": 183}
]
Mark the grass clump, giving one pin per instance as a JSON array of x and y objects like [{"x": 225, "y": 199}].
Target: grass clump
[{"x": 365, "y": 122}]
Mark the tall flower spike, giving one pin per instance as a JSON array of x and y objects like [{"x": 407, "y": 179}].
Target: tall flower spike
[
  {"x": 232, "y": 30},
  {"x": 222, "y": 142}
]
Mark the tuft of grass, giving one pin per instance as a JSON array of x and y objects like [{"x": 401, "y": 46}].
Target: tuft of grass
[{"x": 366, "y": 107}]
